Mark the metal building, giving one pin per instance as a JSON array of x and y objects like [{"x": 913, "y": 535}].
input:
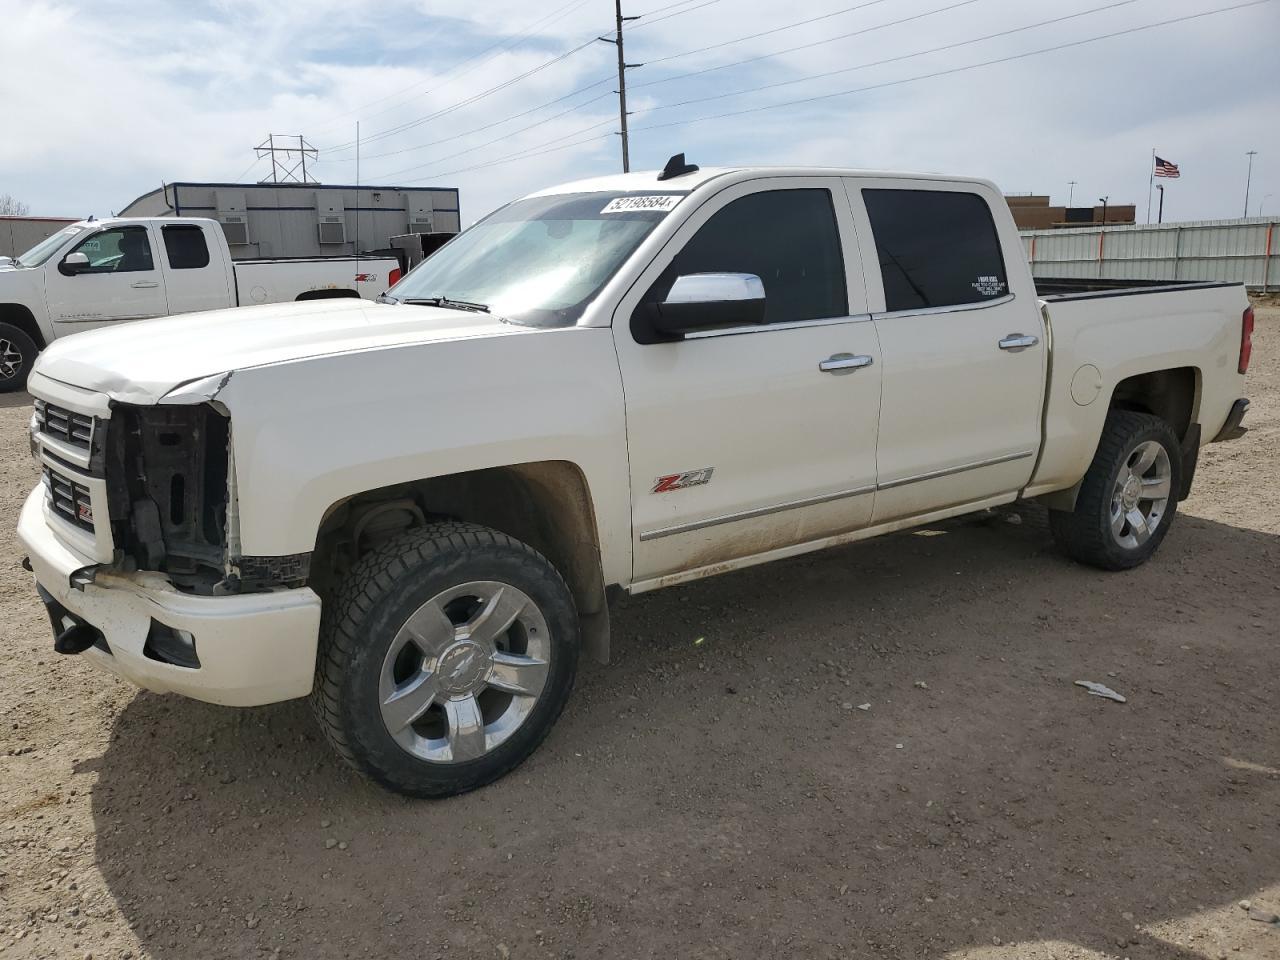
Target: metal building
[
  {"x": 305, "y": 219},
  {"x": 1245, "y": 251},
  {"x": 20, "y": 234}
]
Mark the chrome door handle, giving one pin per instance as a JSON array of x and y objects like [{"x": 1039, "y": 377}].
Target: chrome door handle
[
  {"x": 144, "y": 284},
  {"x": 1018, "y": 341},
  {"x": 844, "y": 363}
]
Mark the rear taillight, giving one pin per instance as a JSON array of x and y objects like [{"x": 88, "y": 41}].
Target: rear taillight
[
  {"x": 393, "y": 277},
  {"x": 1246, "y": 340}
]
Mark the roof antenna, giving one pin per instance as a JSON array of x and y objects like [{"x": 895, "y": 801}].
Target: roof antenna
[{"x": 676, "y": 167}]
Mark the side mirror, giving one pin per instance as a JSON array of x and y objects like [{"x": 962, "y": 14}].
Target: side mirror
[
  {"x": 705, "y": 301},
  {"x": 72, "y": 264}
]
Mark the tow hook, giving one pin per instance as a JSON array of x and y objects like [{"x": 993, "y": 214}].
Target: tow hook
[{"x": 77, "y": 638}]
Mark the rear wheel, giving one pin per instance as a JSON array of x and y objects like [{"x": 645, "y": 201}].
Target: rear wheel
[
  {"x": 17, "y": 354},
  {"x": 1129, "y": 497},
  {"x": 445, "y": 658}
]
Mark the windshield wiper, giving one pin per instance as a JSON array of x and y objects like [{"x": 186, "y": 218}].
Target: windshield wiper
[{"x": 448, "y": 304}]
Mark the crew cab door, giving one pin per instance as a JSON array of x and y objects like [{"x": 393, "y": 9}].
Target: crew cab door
[
  {"x": 121, "y": 280},
  {"x": 961, "y": 333},
  {"x": 749, "y": 438}
]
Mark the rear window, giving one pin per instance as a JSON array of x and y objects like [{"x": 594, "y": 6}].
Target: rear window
[
  {"x": 936, "y": 248},
  {"x": 186, "y": 247}
]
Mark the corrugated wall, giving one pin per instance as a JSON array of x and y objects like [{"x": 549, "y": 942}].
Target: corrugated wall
[{"x": 1246, "y": 251}]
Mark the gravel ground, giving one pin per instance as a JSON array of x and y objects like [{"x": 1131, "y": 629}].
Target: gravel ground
[{"x": 873, "y": 752}]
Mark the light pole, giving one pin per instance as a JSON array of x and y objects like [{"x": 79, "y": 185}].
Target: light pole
[
  {"x": 1160, "y": 215},
  {"x": 1248, "y": 179},
  {"x": 1104, "y": 200},
  {"x": 1071, "y": 192}
]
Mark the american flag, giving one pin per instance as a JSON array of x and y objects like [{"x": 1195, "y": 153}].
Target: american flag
[{"x": 1166, "y": 169}]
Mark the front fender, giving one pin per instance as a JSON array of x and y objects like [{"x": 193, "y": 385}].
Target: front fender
[{"x": 310, "y": 433}]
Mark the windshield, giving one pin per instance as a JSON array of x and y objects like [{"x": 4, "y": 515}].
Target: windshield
[
  {"x": 541, "y": 260},
  {"x": 46, "y": 248}
]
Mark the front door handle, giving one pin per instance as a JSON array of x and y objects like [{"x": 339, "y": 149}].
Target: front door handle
[
  {"x": 144, "y": 284},
  {"x": 841, "y": 363},
  {"x": 1018, "y": 341}
]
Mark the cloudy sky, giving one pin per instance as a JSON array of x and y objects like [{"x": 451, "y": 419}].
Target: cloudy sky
[{"x": 103, "y": 101}]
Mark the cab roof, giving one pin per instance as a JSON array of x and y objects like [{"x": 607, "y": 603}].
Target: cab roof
[{"x": 647, "y": 180}]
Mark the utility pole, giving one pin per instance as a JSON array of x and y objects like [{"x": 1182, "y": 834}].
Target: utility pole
[
  {"x": 623, "y": 67},
  {"x": 288, "y": 170},
  {"x": 1248, "y": 179},
  {"x": 1071, "y": 192}
]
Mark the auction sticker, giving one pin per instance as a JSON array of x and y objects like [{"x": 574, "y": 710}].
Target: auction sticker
[{"x": 638, "y": 204}]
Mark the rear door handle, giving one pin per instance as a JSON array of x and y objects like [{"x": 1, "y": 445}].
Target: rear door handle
[
  {"x": 1018, "y": 341},
  {"x": 844, "y": 363},
  {"x": 144, "y": 284}
]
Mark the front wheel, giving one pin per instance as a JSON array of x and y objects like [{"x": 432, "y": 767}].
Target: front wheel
[
  {"x": 17, "y": 354},
  {"x": 1129, "y": 497},
  {"x": 445, "y": 658}
]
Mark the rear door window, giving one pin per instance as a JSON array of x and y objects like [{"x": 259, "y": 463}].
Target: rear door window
[
  {"x": 185, "y": 246},
  {"x": 937, "y": 248}
]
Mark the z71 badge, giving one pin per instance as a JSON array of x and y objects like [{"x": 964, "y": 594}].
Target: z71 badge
[{"x": 679, "y": 481}]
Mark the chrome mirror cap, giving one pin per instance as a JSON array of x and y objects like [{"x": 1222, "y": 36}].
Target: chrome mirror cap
[{"x": 716, "y": 288}]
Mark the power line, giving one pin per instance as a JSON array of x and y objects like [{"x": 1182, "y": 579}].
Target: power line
[
  {"x": 505, "y": 136},
  {"x": 240, "y": 176},
  {"x": 498, "y": 47},
  {"x": 650, "y": 22},
  {"x": 491, "y": 124},
  {"x": 766, "y": 33},
  {"x": 938, "y": 73},
  {"x": 450, "y": 108},
  {"x": 880, "y": 63},
  {"x": 816, "y": 43},
  {"x": 842, "y": 93},
  {"x": 474, "y": 98}
]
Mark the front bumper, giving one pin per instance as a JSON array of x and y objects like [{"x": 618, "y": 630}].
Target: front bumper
[{"x": 253, "y": 649}]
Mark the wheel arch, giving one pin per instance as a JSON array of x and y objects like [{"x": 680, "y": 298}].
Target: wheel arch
[
  {"x": 1173, "y": 394},
  {"x": 21, "y": 317},
  {"x": 546, "y": 504}
]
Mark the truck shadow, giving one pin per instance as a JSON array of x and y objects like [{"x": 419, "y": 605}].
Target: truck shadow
[{"x": 718, "y": 790}]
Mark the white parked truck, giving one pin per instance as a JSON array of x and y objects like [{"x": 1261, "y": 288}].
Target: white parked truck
[
  {"x": 415, "y": 510},
  {"x": 99, "y": 272}
]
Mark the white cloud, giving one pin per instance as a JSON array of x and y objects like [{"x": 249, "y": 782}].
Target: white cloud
[{"x": 104, "y": 101}]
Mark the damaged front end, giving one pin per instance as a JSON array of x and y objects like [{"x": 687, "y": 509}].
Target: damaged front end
[
  {"x": 152, "y": 489},
  {"x": 167, "y": 470}
]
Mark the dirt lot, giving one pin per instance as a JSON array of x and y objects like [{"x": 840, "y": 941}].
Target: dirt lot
[{"x": 719, "y": 791}]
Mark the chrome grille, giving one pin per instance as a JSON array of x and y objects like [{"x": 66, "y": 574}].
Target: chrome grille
[
  {"x": 74, "y": 429},
  {"x": 69, "y": 499}
]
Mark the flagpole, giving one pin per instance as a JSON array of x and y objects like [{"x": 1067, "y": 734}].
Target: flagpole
[{"x": 1151, "y": 178}]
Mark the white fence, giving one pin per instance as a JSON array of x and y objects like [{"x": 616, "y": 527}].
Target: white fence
[{"x": 1244, "y": 251}]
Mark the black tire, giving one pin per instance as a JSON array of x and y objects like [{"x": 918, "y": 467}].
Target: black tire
[
  {"x": 360, "y": 624},
  {"x": 1085, "y": 533},
  {"x": 17, "y": 355}
]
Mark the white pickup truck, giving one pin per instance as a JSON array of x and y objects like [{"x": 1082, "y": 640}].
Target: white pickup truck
[
  {"x": 415, "y": 510},
  {"x": 100, "y": 272}
]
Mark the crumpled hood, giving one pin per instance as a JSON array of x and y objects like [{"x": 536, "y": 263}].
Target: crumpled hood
[{"x": 141, "y": 361}]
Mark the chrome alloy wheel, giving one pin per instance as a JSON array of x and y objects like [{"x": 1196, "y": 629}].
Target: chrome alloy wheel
[
  {"x": 10, "y": 360},
  {"x": 1141, "y": 494},
  {"x": 464, "y": 672}
]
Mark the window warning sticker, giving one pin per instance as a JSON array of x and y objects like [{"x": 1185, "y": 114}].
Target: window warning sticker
[
  {"x": 637, "y": 204},
  {"x": 989, "y": 286}
]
